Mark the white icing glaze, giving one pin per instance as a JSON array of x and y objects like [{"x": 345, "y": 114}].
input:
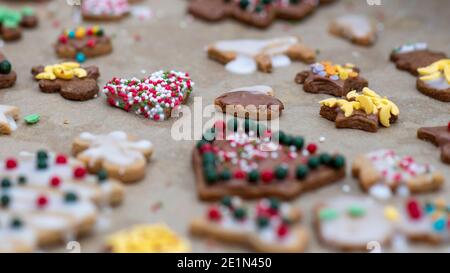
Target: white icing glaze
[
  {"x": 247, "y": 50},
  {"x": 357, "y": 25},
  {"x": 346, "y": 230},
  {"x": 242, "y": 65},
  {"x": 115, "y": 148},
  {"x": 439, "y": 84},
  {"x": 11, "y": 239},
  {"x": 6, "y": 117},
  {"x": 12, "y": 123},
  {"x": 254, "y": 47},
  {"x": 406, "y": 48},
  {"x": 87, "y": 187}
]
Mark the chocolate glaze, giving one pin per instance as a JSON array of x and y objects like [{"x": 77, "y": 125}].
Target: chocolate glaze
[
  {"x": 411, "y": 61},
  {"x": 316, "y": 84}
]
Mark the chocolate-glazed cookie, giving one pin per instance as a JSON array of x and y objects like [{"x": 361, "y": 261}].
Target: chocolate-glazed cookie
[
  {"x": 256, "y": 13},
  {"x": 410, "y": 57},
  {"x": 439, "y": 136},
  {"x": 82, "y": 43},
  {"x": 255, "y": 102},
  {"x": 7, "y": 75},
  {"x": 71, "y": 80},
  {"x": 366, "y": 111},
  {"x": 336, "y": 80}
]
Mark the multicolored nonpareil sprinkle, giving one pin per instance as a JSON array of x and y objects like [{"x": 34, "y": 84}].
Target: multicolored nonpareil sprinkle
[
  {"x": 153, "y": 97},
  {"x": 438, "y": 212},
  {"x": 334, "y": 72},
  {"x": 105, "y": 7}
]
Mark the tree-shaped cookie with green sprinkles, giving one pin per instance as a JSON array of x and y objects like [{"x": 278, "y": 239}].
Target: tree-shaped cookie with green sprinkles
[{"x": 251, "y": 161}]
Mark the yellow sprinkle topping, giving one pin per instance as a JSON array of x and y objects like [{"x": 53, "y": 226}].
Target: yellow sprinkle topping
[
  {"x": 65, "y": 71},
  {"x": 368, "y": 101},
  {"x": 157, "y": 238},
  {"x": 435, "y": 71},
  {"x": 391, "y": 213}
]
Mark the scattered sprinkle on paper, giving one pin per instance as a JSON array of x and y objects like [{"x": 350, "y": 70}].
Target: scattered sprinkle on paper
[
  {"x": 322, "y": 139},
  {"x": 156, "y": 206}
]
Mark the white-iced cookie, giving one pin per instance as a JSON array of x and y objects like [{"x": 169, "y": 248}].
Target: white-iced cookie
[
  {"x": 357, "y": 28},
  {"x": 248, "y": 56},
  {"x": 123, "y": 157}
]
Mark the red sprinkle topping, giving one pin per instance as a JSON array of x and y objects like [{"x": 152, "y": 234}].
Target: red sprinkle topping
[
  {"x": 90, "y": 43},
  {"x": 414, "y": 210},
  {"x": 239, "y": 174},
  {"x": 55, "y": 181},
  {"x": 205, "y": 148},
  {"x": 11, "y": 163},
  {"x": 42, "y": 201},
  {"x": 282, "y": 230},
  {"x": 448, "y": 125},
  {"x": 61, "y": 159},
  {"x": 312, "y": 148},
  {"x": 63, "y": 39},
  {"x": 214, "y": 214},
  {"x": 267, "y": 176},
  {"x": 79, "y": 172}
]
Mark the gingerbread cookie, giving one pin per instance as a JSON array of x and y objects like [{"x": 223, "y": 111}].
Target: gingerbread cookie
[
  {"x": 327, "y": 78},
  {"x": 154, "y": 97},
  {"x": 247, "y": 56},
  {"x": 363, "y": 111},
  {"x": 358, "y": 29},
  {"x": 253, "y": 162},
  {"x": 382, "y": 172},
  {"x": 104, "y": 10},
  {"x": 60, "y": 173},
  {"x": 410, "y": 57},
  {"x": 350, "y": 223},
  {"x": 434, "y": 80},
  {"x": 12, "y": 22},
  {"x": 7, "y": 75},
  {"x": 254, "y": 102},
  {"x": 82, "y": 43},
  {"x": 123, "y": 157},
  {"x": 71, "y": 80},
  {"x": 269, "y": 226},
  {"x": 8, "y": 118},
  {"x": 439, "y": 136},
  {"x": 257, "y": 13},
  {"x": 156, "y": 238}
]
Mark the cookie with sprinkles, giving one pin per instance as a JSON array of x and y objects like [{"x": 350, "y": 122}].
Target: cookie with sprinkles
[
  {"x": 121, "y": 155},
  {"x": 7, "y": 75},
  {"x": 365, "y": 111},
  {"x": 257, "y": 13},
  {"x": 350, "y": 223},
  {"x": 327, "y": 78},
  {"x": 104, "y": 10},
  {"x": 356, "y": 28},
  {"x": 59, "y": 172},
  {"x": 8, "y": 119},
  {"x": 439, "y": 136},
  {"x": 82, "y": 43},
  {"x": 412, "y": 56},
  {"x": 70, "y": 79},
  {"x": 254, "y": 102},
  {"x": 155, "y": 97},
  {"x": 425, "y": 221},
  {"x": 250, "y": 161},
  {"x": 12, "y": 22},
  {"x": 246, "y": 56},
  {"x": 383, "y": 172},
  {"x": 434, "y": 80},
  {"x": 268, "y": 226}
]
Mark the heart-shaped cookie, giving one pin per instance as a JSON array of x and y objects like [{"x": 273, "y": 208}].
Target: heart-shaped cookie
[{"x": 153, "y": 97}]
